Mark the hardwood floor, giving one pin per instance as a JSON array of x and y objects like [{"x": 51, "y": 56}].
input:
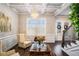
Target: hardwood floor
[{"x": 56, "y": 50}]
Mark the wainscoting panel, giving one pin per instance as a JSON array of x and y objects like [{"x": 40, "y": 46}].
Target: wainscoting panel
[{"x": 8, "y": 42}]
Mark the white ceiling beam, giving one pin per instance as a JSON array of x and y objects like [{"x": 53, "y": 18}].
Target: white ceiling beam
[
  {"x": 24, "y": 13},
  {"x": 43, "y": 8},
  {"x": 12, "y": 8},
  {"x": 63, "y": 7}
]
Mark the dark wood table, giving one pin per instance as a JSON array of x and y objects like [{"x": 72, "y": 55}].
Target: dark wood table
[{"x": 40, "y": 52}]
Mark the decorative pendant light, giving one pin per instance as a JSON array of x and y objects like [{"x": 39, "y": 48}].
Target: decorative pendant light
[{"x": 34, "y": 13}]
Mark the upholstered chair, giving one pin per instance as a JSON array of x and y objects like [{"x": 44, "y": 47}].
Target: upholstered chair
[
  {"x": 9, "y": 53},
  {"x": 23, "y": 42}
]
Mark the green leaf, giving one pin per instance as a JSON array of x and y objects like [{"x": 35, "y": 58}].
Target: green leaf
[{"x": 74, "y": 15}]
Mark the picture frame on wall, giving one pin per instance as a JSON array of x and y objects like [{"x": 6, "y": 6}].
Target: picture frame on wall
[{"x": 5, "y": 23}]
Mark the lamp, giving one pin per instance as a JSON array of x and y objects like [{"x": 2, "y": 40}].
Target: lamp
[{"x": 34, "y": 14}]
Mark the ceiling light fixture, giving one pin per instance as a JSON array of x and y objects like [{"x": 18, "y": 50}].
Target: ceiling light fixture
[{"x": 34, "y": 13}]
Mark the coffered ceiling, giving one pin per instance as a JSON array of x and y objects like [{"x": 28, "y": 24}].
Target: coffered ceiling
[{"x": 42, "y": 8}]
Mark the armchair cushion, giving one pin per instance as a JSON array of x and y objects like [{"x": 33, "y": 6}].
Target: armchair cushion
[
  {"x": 25, "y": 44},
  {"x": 7, "y": 53},
  {"x": 16, "y": 54}
]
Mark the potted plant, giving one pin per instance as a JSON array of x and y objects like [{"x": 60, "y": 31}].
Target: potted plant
[
  {"x": 39, "y": 39},
  {"x": 74, "y": 16}
]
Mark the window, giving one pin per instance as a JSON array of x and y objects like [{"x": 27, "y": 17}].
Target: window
[{"x": 36, "y": 26}]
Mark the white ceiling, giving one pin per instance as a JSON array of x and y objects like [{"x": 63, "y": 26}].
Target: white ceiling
[
  {"x": 39, "y": 7},
  {"x": 65, "y": 12}
]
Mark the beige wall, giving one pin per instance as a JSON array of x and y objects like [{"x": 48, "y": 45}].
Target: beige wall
[
  {"x": 12, "y": 16},
  {"x": 22, "y": 23},
  {"x": 9, "y": 39},
  {"x": 61, "y": 19},
  {"x": 50, "y": 26}
]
